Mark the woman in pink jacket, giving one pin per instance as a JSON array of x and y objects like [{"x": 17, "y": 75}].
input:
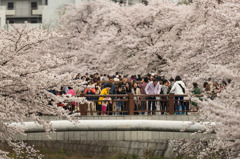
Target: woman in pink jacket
[{"x": 73, "y": 93}]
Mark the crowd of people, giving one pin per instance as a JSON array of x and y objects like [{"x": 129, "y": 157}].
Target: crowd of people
[{"x": 150, "y": 84}]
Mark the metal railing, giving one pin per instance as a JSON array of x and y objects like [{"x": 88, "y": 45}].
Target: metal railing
[{"x": 133, "y": 105}]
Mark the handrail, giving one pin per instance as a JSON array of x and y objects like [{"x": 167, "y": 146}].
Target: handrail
[
  {"x": 110, "y": 95},
  {"x": 126, "y": 95},
  {"x": 130, "y": 101}
]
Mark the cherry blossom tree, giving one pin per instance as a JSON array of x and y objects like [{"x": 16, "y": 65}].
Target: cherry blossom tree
[
  {"x": 153, "y": 36},
  {"x": 212, "y": 50},
  {"x": 27, "y": 73},
  {"x": 197, "y": 41},
  {"x": 224, "y": 111},
  {"x": 137, "y": 35},
  {"x": 210, "y": 38}
]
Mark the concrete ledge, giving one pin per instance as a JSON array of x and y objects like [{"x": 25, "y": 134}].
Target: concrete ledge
[
  {"x": 127, "y": 117},
  {"x": 95, "y": 136},
  {"x": 175, "y": 125}
]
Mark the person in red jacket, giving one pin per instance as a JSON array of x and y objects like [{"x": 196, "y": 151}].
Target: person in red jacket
[{"x": 90, "y": 90}]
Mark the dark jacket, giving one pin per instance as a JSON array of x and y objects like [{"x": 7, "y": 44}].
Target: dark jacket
[
  {"x": 113, "y": 88},
  {"x": 122, "y": 92}
]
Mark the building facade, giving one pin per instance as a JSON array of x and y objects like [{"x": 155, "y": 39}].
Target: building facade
[
  {"x": 41, "y": 13},
  {"x": 19, "y": 11}
]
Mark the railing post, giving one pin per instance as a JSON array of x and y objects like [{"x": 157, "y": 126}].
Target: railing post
[
  {"x": 131, "y": 104},
  {"x": 171, "y": 103},
  {"x": 83, "y": 107}
]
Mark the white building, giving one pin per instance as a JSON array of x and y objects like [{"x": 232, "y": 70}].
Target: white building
[
  {"x": 18, "y": 11},
  {"x": 41, "y": 13}
]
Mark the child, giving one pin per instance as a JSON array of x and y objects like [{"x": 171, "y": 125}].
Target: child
[{"x": 104, "y": 104}]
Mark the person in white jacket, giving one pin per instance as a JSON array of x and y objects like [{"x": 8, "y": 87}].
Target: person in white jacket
[
  {"x": 152, "y": 88},
  {"x": 179, "y": 89}
]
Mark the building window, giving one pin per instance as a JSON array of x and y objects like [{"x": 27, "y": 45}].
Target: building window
[
  {"x": 34, "y": 5},
  {"x": 46, "y": 2},
  {"x": 10, "y": 6},
  {"x": 33, "y": 21},
  {"x": 145, "y": 2}
]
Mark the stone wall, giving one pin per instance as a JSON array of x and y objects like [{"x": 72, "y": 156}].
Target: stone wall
[
  {"x": 98, "y": 142},
  {"x": 101, "y": 148}
]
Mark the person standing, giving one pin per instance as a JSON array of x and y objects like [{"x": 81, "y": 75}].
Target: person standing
[
  {"x": 139, "y": 78},
  {"x": 128, "y": 88},
  {"x": 136, "y": 91},
  {"x": 78, "y": 77},
  {"x": 111, "y": 91},
  {"x": 187, "y": 99},
  {"x": 132, "y": 78},
  {"x": 171, "y": 80},
  {"x": 116, "y": 79},
  {"x": 123, "y": 84},
  {"x": 164, "y": 91},
  {"x": 73, "y": 93},
  {"x": 152, "y": 88},
  {"x": 158, "y": 77},
  {"x": 90, "y": 90},
  {"x": 87, "y": 77},
  {"x": 124, "y": 89},
  {"x": 204, "y": 87},
  {"x": 179, "y": 89},
  {"x": 111, "y": 83},
  {"x": 119, "y": 104},
  {"x": 142, "y": 87},
  {"x": 132, "y": 82},
  {"x": 96, "y": 78},
  {"x": 105, "y": 91},
  {"x": 196, "y": 91},
  {"x": 104, "y": 78},
  {"x": 210, "y": 82},
  {"x": 98, "y": 92}
]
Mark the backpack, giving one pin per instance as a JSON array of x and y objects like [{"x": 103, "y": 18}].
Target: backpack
[
  {"x": 183, "y": 89},
  {"x": 161, "y": 92}
]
